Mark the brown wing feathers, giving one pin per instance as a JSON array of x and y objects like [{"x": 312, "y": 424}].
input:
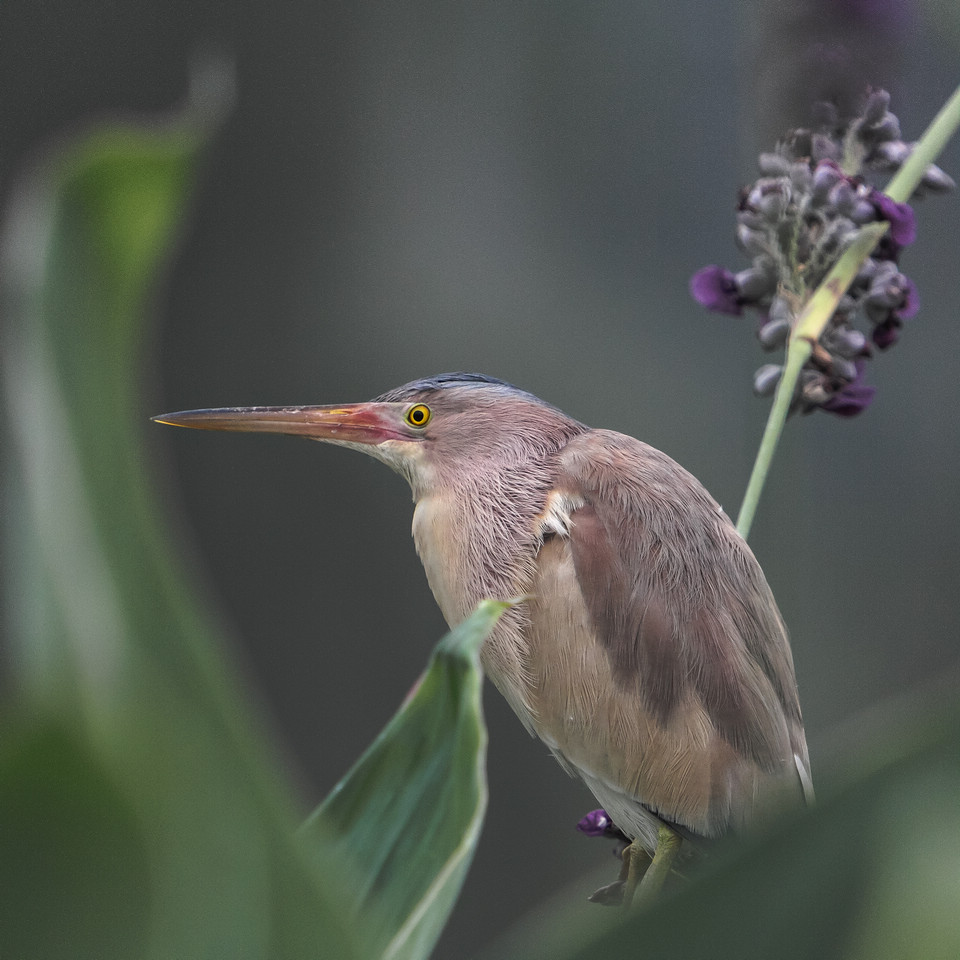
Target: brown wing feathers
[{"x": 660, "y": 616}]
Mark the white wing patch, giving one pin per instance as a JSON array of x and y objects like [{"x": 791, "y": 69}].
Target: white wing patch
[{"x": 555, "y": 518}]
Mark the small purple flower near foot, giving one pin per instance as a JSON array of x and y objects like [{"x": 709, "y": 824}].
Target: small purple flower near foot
[{"x": 597, "y": 823}]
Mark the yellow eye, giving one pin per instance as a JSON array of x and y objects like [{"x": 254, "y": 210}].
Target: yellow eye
[{"x": 418, "y": 415}]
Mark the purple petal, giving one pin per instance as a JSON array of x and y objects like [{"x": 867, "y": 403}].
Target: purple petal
[
  {"x": 911, "y": 302},
  {"x": 903, "y": 224},
  {"x": 886, "y": 334},
  {"x": 826, "y": 175},
  {"x": 852, "y": 399},
  {"x": 595, "y": 824},
  {"x": 716, "y": 289}
]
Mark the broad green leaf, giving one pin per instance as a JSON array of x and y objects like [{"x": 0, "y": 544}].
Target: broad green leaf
[
  {"x": 164, "y": 830},
  {"x": 408, "y": 815}
]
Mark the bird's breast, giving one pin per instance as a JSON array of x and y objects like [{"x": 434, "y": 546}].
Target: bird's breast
[
  {"x": 469, "y": 554},
  {"x": 436, "y": 534}
]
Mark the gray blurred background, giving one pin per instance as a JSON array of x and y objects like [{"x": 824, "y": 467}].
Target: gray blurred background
[{"x": 521, "y": 189}]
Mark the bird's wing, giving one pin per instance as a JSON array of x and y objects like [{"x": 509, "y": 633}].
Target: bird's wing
[{"x": 683, "y": 693}]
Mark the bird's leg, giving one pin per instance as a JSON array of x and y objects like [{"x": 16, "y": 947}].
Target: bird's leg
[
  {"x": 646, "y": 879},
  {"x": 636, "y": 862}
]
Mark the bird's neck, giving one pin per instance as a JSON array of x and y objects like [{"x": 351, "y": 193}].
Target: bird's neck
[{"x": 477, "y": 539}]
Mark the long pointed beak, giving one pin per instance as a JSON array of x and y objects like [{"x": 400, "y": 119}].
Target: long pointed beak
[{"x": 368, "y": 423}]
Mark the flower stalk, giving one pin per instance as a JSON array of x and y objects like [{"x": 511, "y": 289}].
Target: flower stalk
[
  {"x": 805, "y": 334},
  {"x": 815, "y": 315}
]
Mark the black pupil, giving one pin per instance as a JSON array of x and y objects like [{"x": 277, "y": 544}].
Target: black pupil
[{"x": 417, "y": 416}]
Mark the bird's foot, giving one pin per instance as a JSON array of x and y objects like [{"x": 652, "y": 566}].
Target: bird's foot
[
  {"x": 612, "y": 894},
  {"x": 646, "y": 876},
  {"x": 609, "y": 896}
]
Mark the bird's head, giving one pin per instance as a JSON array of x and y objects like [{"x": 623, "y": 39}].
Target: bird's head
[{"x": 427, "y": 430}]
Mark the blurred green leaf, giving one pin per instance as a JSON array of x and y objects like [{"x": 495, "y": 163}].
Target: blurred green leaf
[
  {"x": 871, "y": 873},
  {"x": 142, "y": 813},
  {"x": 75, "y": 876},
  {"x": 409, "y": 813}
]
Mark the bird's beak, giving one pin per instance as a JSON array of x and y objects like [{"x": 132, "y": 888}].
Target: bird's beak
[{"x": 366, "y": 423}]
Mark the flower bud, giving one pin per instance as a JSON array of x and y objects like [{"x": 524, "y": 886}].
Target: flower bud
[
  {"x": 875, "y": 109},
  {"x": 824, "y": 148},
  {"x": 774, "y": 334},
  {"x": 825, "y": 177},
  {"x": 765, "y": 380},
  {"x": 753, "y": 242},
  {"x": 863, "y": 212},
  {"x": 846, "y": 341},
  {"x": 877, "y": 313},
  {"x": 773, "y": 204},
  {"x": 843, "y": 197},
  {"x": 780, "y": 310},
  {"x": 813, "y": 388},
  {"x": 888, "y": 289},
  {"x": 773, "y": 164},
  {"x": 751, "y": 219},
  {"x": 868, "y": 270},
  {"x": 890, "y": 155},
  {"x": 935, "y": 180},
  {"x": 842, "y": 368},
  {"x": 801, "y": 177},
  {"x": 755, "y": 283},
  {"x": 887, "y": 129},
  {"x": 845, "y": 306},
  {"x": 796, "y": 144}
]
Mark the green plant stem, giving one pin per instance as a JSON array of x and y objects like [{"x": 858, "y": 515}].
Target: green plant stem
[
  {"x": 807, "y": 330},
  {"x": 796, "y": 357},
  {"x": 928, "y": 148},
  {"x": 822, "y": 304}
]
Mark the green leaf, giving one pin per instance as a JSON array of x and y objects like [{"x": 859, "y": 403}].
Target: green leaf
[
  {"x": 871, "y": 873},
  {"x": 142, "y": 813},
  {"x": 409, "y": 813},
  {"x": 68, "y": 838}
]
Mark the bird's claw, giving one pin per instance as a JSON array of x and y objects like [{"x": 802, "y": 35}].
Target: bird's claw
[{"x": 609, "y": 896}]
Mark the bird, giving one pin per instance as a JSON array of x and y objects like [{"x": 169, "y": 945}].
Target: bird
[{"x": 646, "y": 651}]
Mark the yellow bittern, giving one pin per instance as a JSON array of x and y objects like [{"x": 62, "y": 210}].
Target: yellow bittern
[{"x": 648, "y": 653}]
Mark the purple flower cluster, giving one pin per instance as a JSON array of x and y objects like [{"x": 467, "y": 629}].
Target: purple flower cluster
[{"x": 812, "y": 197}]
